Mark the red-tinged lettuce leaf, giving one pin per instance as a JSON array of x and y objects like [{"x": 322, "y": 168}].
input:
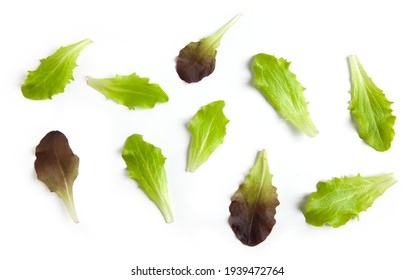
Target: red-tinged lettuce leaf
[
  {"x": 198, "y": 59},
  {"x": 253, "y": 204},
  {"x": 57, "y": 166}
]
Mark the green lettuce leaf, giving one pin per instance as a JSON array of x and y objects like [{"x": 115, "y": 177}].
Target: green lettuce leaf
[
  {"x": 253, "y": 205},
  {"x": 198, "y": 59},
  {"x": 53, "y": 73},
  {"x": 131, "y": 91},
  {"x": 208, "y": 129},
  {"x": 57, "y": 166},
  {"x": 145, "y": 164},
  {"x": 341, "y": 199},
  {"x": 370, "y": 109},
  {"x": 282, "y": 90}
]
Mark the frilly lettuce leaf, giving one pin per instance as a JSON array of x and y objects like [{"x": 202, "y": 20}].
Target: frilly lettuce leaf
[
  {"x": 370, "y": 109},
  {"x": 131, "y": 91},
  {"x": 145, "y": 164},
  {"x": 282, "y": 90},
  {"x": 341, "y": 199},
  {"x": 208, "y": 129},
  {"x": 53, "y": 73}
]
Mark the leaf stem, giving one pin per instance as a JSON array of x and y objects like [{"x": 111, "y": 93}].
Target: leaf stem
[
  {"x": 83, "y": 44},
  {"x": 355, "y": 68},
  {"x": 214, "y": 40},
  {"x": 165, "y": 209},
  {"x": 70, "y": 206}
]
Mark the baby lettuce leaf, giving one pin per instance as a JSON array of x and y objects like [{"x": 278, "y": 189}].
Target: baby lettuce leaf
[
  {"x": 282, "y": 90},
  {"x": 370, "y": 109},
  {"x": 198, "y": 59},
  {"x": 131, "y": 91},
  {"x": 253, "y": 204},
  {"x": 341, "y": 199},
  {"x": 208, "y": 129},
  {"x": 53, "y": 73},
  {"x": 145, "y": 164},
  {"x": 57, "y": 166}
]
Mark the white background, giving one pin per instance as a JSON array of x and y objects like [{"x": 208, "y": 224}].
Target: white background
[{"x": 119, "y": 227}]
